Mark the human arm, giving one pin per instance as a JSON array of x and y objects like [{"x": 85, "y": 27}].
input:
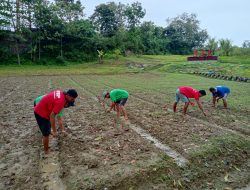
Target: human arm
[
  {"x": 191, "y": 103},
  {"x": 112, "y": 106},
  {"x": 53, "y": 123},
  {"x": 102, "y": 102},
  {"x": 220, "y": 97},
  {"x": 60, "y": 123},
  {"x": 201, "y": 107},
  {"x": 214, "y": 101}
]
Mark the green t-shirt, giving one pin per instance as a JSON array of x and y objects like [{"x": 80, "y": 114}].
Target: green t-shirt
[
  {"x": 38, "y": 99},
  {"x": 118, "y": 94}
]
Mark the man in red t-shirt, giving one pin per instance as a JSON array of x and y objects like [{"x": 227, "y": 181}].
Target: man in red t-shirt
[
  {"x": 183, "y": 93},
  {"x": 47, "y": 109}
]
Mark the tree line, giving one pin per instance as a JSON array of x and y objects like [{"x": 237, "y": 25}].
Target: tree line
[{"x": 39, "y": 30}]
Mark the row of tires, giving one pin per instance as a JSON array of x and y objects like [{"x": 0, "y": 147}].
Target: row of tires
[{"x": 223, "y": 77}]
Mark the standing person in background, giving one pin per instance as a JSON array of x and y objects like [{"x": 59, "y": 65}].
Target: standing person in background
[
  {"x": 220, "y": 92},
  {"x": 46, "y": 110},
  {"x": 184, "y": 93}
]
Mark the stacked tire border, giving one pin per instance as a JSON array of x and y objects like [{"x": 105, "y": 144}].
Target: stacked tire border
[{"x": 222, "y": 77}]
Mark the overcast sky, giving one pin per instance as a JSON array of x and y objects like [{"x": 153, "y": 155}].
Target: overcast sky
[{"x": 227, "y": 19}]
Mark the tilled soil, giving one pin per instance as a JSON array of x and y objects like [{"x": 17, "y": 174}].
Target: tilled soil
[{"x": 96, "y": 153}]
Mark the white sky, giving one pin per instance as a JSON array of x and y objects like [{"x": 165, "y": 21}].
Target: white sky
[{"x": 227, "y": 19}]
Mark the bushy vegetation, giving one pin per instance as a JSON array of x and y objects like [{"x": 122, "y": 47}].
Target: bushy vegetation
[{"x": 54, "y": 32}]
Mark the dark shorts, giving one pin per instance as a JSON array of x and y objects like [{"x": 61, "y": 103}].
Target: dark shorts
[
  {"x": 122, "y": 102},
  {"x": 44, "y": 125}
]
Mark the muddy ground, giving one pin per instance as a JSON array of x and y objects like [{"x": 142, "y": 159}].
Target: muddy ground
[{"x": 98, "y": 154}]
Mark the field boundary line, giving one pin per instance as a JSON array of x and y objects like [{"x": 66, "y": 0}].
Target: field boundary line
[{"x": 179, "y": 159}]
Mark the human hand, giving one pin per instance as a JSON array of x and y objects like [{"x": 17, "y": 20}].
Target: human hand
[
  {"x": 108, "y": 111},
  {"x": 192, "y": 103}
]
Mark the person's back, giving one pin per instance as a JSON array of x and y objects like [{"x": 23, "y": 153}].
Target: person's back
[
  {"x": 118, "y": 94},
  {"x": 54, "y": 101},
  {"x": 222, "y": 90},
  {"x": 189, "y": 92}
]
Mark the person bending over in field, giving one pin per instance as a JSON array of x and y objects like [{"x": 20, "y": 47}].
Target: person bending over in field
[
  {"x": 46, "y": 110},
  {"x": 119, "y": 98},
  {"x": 220, "y": 92},
  {"x": 184, "y": 93},
  {"x": 58, "y": 116}
]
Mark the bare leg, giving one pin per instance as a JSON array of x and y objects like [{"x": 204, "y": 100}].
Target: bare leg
[
  {"x": 46, "y": 144},
  {"x": 174, "y": 106},
  {"x": 119, "y": 110},
  {"x": 214, "y": 101},
  {"x": 185, "y": 108},
  {"x": 225, "y": 103},
  {"x": 124, "y": 111}
]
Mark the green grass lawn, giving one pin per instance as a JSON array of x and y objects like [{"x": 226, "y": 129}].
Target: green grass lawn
[{"x": 236, "y": 66}]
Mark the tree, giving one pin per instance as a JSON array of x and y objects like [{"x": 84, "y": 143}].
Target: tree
[
  {"x": 246, "y": 44},
  {"x": 184, "y": 34},
  {"x": 11, "y": 20},
  {"x": 212, "y": 44},
  {"x": 152, "y": 38},
  {"x": 134, "y": 14},
  {"x": 108, "y": 18},
  {"x": 226, "y": 46},
  {"x": 5, "y": 15},
  {"x": 68, "y": 10},
  {"x": 80, "y": 40},
  {"x": 133, "y": 41}
]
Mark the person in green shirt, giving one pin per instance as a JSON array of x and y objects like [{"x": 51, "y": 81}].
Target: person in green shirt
[
  {"x": 59, "y": 116},
  {"x": 119, "y": 98}
]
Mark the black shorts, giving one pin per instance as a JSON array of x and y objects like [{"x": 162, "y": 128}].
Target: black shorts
[
  {"x": 122, "y": 102},
  {"x": 44, "y": 125}
]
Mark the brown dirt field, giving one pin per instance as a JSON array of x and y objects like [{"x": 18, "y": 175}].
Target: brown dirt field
[{"x": 97, "y": 154}]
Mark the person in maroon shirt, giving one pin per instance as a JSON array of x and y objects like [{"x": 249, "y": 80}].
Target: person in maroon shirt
[
  {"x": 47, "y": 109},
  {"x": 184, "y": 93}
]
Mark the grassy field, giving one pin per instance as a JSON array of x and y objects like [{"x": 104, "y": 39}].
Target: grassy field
[
  {"x": 96, "y": 154},
  {"x": 230, "y": 66}
]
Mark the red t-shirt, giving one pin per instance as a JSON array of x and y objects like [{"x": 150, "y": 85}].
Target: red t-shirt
[
  {"x": 189, "y": 92},
  {"x": 54, "y": 101}
]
